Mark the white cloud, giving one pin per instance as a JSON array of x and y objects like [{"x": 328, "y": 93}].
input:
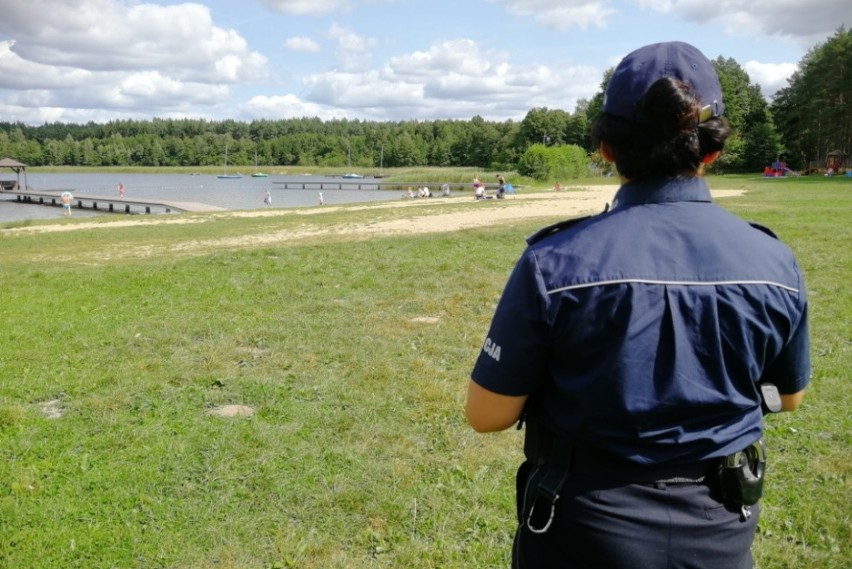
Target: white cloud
[
  {"x": 308, "y": 7},
  {"x": 106, "y": 54},
  {"x": 563, "y": 14},
  {"x": 288, "y": 107},
  {"x": 315, "y": 7},
  {"x": 354, "y": 52},
  {"x": 804, "y": 21},
  {"x": 18, "y": 73},
  {"x": 460, "y": 56},
  {"x": 302, "y": 44},
  {"x": 108, "y": 59},
  {"x": 103, "y": 35},
  {"x": 452, "y": 79},
  {"x": 770, "y": 76}
]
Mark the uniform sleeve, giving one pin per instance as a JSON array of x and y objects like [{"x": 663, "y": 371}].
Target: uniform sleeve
[
  {"x": 791, "y": 370},
  {"x": 513, "y": 358}
]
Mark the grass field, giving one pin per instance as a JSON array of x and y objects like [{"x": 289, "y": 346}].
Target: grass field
[{"x": 353, "y": 355}]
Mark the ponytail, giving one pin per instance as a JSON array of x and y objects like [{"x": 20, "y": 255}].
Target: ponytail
[{"x": 666, "y": 138}]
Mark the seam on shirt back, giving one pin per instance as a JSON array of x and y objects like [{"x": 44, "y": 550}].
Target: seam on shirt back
[{"x": 672, "y": 283}]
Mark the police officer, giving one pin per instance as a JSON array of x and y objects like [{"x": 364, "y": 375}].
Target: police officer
[{"x": 635, "y": 345}]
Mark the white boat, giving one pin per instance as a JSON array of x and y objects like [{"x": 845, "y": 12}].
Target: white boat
[
  {"x": 225, "y": 175},
  {"x": 350, "y": 176},
  {"x": 256, "y": 173}
]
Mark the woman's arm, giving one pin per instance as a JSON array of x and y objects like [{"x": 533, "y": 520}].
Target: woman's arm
[
  {"x": 792, "y": 401},
  {"x": 487, "y": 411}
]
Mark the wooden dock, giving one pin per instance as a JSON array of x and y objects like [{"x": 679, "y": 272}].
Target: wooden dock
[{"x": 109, "y": 203}]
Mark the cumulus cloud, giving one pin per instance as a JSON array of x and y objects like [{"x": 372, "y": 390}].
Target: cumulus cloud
[
  {"x": 308, "y": 7},
  {"x": 315, "y": 7},
  {"x": 87, "y": 55},
  {"x": 771, "y": 77},
  {"x": 803, "y": 21},
  {"x": 18, "y": 73},
  {"x": 354, "y": 52},
  {"x": 289, "y": 107},
  {"x": 302, "y": 44},
  {"x": 452, "y": 79},
  {"x": 563, "y": 14},
  {"x": 107, "y": 59}
]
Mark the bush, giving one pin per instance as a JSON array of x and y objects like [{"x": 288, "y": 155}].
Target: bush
[{"x": 555, "y": 162}]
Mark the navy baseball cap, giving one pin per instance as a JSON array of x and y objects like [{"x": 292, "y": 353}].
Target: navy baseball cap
[{"x": 643, "y": 67}]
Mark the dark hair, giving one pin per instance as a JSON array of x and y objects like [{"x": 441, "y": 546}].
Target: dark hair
[{"x": 666, "y": 138}]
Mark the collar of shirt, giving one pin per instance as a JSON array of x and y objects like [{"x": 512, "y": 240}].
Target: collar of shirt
[{"x": 662, "y": 190}]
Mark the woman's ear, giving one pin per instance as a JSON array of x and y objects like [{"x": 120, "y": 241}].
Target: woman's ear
[
  {"x": 606, "y": 152},
  {"x": 710, "y": 158}
]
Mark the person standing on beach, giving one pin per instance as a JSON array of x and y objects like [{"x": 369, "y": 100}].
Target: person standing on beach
[
  {"x": 65, "y": 199},
  {"x": 641, "y": 347},
  {"x": 121, "y": 190},
  {"x": 501, "y": 187},
  {"x": 321, "y": 202},
  {"x": 267, "y": 200}
]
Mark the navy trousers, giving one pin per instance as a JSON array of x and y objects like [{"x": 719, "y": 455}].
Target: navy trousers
[{"x": 607, "y": 524}]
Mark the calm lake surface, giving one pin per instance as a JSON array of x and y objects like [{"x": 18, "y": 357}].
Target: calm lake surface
[{"x": 233, "y": 194}]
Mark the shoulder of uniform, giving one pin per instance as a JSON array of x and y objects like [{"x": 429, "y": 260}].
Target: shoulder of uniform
[
  {"x": 764, "y": 229},
  {"x": 560, "y": 226}
]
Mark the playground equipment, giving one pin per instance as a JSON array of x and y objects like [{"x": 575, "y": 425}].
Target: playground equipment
[{"x": 778, "y": 169}]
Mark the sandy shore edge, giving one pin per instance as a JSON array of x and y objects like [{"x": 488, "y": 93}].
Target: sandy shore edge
[{"x": 550, "y": 206}]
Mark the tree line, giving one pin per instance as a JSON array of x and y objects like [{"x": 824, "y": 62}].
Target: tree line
[{"x": 805, "y": 121}]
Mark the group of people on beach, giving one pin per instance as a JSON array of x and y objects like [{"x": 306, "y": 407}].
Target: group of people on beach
[
  {"x": 423, "y": 192},
  {"x": 479, "y": 189}
]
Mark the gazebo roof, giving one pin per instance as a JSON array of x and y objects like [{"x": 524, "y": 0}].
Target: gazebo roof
[{"x": 9, "y": 163}]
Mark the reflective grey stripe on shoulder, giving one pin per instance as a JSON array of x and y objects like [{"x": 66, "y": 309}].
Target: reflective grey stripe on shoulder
[{"x": 673, "y": 283}]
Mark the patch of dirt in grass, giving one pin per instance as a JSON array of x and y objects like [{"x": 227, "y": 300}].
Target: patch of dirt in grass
[
  {"x": 231, "y": 411},
  {"x": 52, "y": 409}
]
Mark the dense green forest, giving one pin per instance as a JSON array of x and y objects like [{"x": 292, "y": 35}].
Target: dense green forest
[{"x": 806, "y": 121}]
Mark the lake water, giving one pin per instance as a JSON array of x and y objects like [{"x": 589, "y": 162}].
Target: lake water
[{"x": 233, "y": 194}]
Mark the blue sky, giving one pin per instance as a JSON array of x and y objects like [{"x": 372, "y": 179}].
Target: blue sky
[{"x": 102, "y": 60}]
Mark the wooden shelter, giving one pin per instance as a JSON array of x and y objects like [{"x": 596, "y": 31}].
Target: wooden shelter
[
  {"x": 18, "y": 167},
  {"x": 837, "y": 161}
]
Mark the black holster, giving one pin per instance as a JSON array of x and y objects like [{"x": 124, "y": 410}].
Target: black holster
[{"x": 740, "y": 475}]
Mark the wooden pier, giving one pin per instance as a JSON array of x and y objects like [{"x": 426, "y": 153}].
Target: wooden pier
[{"x": 112, "y": 204}]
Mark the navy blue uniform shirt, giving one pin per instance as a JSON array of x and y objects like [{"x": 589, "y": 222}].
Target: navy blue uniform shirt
[{"x": 644, "y": 331}]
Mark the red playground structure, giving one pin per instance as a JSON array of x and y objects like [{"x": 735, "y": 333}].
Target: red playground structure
[{"x": 777, "y": 170}]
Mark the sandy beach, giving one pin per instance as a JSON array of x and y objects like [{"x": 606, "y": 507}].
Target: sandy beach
[{"x": 564, "y": 204}]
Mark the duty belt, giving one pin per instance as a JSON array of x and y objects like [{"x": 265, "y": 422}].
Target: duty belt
[{"x": 739, "y": 476}]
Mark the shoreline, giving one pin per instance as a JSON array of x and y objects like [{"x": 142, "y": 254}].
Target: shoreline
[{"x": 570, "y": 202}]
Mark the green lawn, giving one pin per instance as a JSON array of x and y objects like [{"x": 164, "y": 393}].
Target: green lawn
[{"x": 354, "y": 355}]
